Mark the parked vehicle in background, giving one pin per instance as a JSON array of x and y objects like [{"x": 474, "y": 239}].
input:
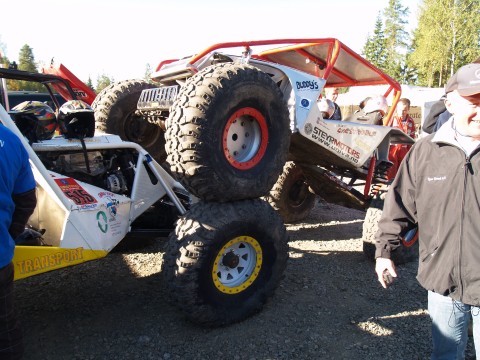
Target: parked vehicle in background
[
  {"x": 17, "y": 97},
  {"x": 81, "y": 90}
]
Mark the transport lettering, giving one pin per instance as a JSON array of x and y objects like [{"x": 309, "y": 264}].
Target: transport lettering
[{"x": 50, "y": 261}]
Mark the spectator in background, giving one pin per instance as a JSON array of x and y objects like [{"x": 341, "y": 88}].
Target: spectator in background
[
  {"x": 437, "y": 110},
  {"x": 403, "y": 121},
  {"x": 364, "y": 102},
  {"x": 372, "y": 110},
  {"x": 442, "y": 119},
  {"x": 332, "y": 94},
  {"x": 438, "y": 114},
  {"x": 326, "y": 107}
]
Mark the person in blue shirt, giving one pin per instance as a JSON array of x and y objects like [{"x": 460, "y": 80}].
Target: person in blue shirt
[{"x": 17, "y": 202}]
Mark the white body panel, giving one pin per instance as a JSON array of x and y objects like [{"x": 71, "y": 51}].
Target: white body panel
[
  {"x": 77, "y": 214},
  {"x": 351, "y": 141}
]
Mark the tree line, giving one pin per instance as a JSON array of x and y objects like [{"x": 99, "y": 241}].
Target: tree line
[
  {"x": 26, "y": 62},
  {"x": 447, "y": 37}
]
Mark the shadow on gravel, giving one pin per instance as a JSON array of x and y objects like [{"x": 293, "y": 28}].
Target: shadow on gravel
[
  {"x": 94, "y": 310},
  {"x": 326, "y": 231},
  {"x": 328, "y": 306},
  {"x": 364, "y": 320},
  {"x": 328, "y": 222}
]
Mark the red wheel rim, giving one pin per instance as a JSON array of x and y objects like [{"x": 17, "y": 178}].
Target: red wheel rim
[{"x": 245, "y": 138}]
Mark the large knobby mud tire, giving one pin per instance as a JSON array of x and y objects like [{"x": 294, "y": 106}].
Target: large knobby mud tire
[
  {"x": 225, "y": 260},
  {"x": 115, "y": 109},
  {"x": 228, "y": 133},
  {"x": 402, "y": 254},
  {"x": 291, "y": 195}
]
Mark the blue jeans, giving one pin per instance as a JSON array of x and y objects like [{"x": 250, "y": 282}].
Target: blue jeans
[{"x": 450, "y": 320}]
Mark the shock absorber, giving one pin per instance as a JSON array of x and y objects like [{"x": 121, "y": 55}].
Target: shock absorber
[
  {"x": 381, "y": 170},
  {"x": 380, "y": 177}
]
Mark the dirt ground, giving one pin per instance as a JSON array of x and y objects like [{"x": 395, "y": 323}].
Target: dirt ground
[{"x": 329, "y": 306}]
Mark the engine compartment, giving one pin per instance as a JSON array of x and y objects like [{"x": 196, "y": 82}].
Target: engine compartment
[{"x": 113, "y": 170}]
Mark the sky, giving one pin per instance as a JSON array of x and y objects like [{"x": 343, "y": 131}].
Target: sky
[{"x": 118, "y": 38}]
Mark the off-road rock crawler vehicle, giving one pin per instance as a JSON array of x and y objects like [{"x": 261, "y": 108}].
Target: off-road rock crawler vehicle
[
  {"x": 232, "y": 121},
  {"x": 222, "y": 261}
]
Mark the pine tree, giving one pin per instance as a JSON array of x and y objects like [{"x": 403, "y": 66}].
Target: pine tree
[
  {"x": 388, "y": 47},
  {"x": 26, "y": 62},
  {"x": 89, "y": 83},
  {"x": 374, "y": 49},
  {"x": 396, "y": 37}
]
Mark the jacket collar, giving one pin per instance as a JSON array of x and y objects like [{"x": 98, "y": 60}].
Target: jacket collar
[{"x": 446, "y": 133}]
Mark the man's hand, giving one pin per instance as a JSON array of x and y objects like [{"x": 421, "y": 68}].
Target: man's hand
[{"x": 381, "y": 265}]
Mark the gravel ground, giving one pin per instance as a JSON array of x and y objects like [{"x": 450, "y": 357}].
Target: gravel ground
[{"x": 328, "y": 306}]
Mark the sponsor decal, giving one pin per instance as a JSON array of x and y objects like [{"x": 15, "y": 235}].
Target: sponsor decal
[
  {"x": 306, "y": 85},
  {"x": 109, "y": 221},
  {"x": 320, "y": 122},
  {"x": 105, "y": 193},
  {"x": 363, "y": 145},
  {"x": 335, "y": 145},
  {"x": 80, "y": 93},
  {"x": 305, "y": 103},
  {"x": 50, "y": 261},
  {"x": 437, "y": 178},
  {"x": 112, "y": 207},
  {"x": 75, "y": 192},
  {"x": 102, "y": 221},
  {"x": 111, "y": 202},
  {"x": 356, "y": 131},
  {"x": 308, "y": 128},
  {"x": 88, "y": 207}
]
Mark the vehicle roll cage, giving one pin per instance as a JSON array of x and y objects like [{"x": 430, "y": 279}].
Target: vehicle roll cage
[{"x": 326, "y": 58}]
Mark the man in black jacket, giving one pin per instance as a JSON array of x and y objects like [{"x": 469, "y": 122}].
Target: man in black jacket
[
  {"x": 438, "y": 189},
  {"x": 437, "y": 116}
]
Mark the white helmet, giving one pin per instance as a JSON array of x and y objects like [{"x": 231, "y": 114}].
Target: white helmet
[
  {"x": 376, "y": 103},
  {"x": 326, "y": 107}
]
